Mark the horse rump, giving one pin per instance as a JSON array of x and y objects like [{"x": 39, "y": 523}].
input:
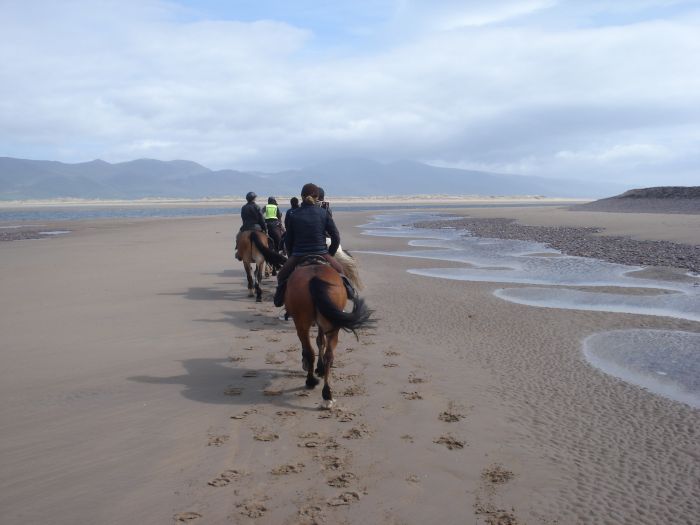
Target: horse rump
[{"x": 359, "y": 317}]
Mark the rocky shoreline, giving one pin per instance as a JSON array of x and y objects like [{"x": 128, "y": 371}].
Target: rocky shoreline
[
  {"x": 19, "y": 235},
  {"x": 663, "y": 199},
  {"x": 583, "y": 242}
]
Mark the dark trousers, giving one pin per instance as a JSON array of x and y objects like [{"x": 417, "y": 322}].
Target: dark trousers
[{"x": 274, "y": 230}]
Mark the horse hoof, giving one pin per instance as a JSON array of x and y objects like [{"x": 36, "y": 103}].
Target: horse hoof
[
  {"x": 258, "y": 299},
  {"x": 311, "y": 382},
  {"x": 327, "y": 404}
]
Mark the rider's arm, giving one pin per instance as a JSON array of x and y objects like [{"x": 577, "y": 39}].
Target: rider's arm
[
  {"x": 332, "y": 231},
  {"x": 289, "y": 237}
]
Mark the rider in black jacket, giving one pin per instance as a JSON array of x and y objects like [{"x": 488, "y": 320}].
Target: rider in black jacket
[
  {"x": 307, "y": 231},
  {"x": 294, "y": 203},
  {"x": 251, "y": 216}
]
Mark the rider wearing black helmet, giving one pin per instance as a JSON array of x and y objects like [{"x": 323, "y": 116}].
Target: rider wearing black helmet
[{"x": 252, "y": 216}]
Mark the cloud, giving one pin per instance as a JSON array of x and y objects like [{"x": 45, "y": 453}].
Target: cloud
[
  {"x": 620, "y": 153},
  {"x": 454, "y": 14},
  {"x": 495, "y": 88}
]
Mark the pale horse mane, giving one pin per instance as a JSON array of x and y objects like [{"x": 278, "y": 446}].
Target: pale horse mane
[{"x": 349, "y": 264}]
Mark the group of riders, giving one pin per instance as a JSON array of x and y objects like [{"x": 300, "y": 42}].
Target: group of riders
[{"x": 306, "y": 226}]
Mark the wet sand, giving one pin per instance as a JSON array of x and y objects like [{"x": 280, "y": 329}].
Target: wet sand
[{"x": 139, "y": 383}]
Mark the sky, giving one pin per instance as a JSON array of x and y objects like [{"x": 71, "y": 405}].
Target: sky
[{"x": 587, "y": 89}]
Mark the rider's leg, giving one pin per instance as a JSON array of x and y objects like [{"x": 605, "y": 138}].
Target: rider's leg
[
  {"x": 238, "y": 236},
  {"x": 282, "y": 277},
  {"x": 276, "y": 236},
  {"x": 272, "y": 244}
]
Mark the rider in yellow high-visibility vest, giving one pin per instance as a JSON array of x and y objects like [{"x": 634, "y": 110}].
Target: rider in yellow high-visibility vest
[
  {"x": 271, "y": 212},
  {"x": 273, "y": 217}
]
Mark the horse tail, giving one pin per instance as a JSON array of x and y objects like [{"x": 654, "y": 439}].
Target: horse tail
[
  {"x": 270, "y": 256},
  {"x": 360, "y": 317},
  {"x": 350, "y": 268}
]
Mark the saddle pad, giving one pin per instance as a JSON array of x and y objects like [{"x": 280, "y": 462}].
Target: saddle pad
[{"x": 311, "y": 260}]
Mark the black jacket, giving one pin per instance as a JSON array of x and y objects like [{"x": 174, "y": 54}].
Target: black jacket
[
  {"x": 306, "y": 233},
  {"x": 287, "y": 215},
  {"x": 251, "y": 215}
]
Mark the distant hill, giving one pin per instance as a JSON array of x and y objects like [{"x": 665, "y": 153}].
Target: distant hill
[
  {"x": 142, "y": 178},
  {"x": 663, "y": 199}
]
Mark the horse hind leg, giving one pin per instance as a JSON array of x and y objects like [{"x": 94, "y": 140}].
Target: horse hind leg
[
  {"x": 320, "y": 343},
  {"x": 328, "y": 355},
  {"x": 258, "y": 279},
  {"x": 249, "y": 276},
  {"x": 307, "y": 354}
]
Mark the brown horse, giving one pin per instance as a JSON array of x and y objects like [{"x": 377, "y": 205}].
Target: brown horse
[
  {"x": 253, "y": 248},
  {"x": 316, "y": 294}
]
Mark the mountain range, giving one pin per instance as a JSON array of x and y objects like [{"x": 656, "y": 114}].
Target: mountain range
[{"x": 41, "y": 179}]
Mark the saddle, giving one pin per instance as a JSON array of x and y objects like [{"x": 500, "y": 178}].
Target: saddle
[{"x": 312, "y": 260}]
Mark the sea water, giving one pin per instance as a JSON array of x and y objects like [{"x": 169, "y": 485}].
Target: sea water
[
  {"x": 662, "y": 361},
  {"x": 134, "y": 210}
]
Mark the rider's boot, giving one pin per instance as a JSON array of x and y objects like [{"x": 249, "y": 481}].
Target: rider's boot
[
  {"x": 352, "y": 294},
  {"x": 279, "y": 293}
]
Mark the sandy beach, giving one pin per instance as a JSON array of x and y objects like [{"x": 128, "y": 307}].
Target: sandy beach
[{"x": 140, "y": 384}]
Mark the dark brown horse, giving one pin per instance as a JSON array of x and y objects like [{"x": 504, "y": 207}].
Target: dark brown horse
[
  {"x": 316, "y": 295},
  {"x": 253, "y": 248}
]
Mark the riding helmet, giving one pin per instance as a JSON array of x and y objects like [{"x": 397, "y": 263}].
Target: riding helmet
[{"x": 250, "y": 196}]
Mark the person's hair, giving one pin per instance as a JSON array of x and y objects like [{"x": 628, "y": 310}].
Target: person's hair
[
  {"x": 294, "y": 202},
  {"x": 271, "y": 200},
  {"x": 309, "y": 193}
]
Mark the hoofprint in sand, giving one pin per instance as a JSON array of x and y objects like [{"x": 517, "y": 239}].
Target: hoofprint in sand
[{"x": 143, "y": 385}]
